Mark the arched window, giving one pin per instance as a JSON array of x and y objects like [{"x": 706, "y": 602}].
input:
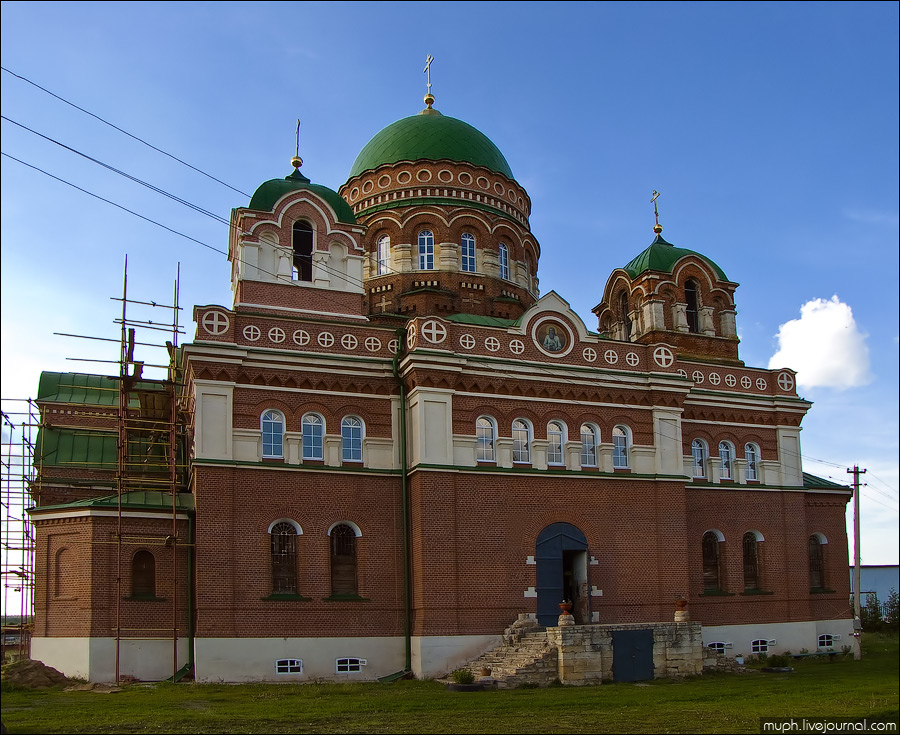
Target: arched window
[
  {"x": 283, "y": 536},
  {"x": 485, "y": 434},
  {"x": 555, "y": 440},
  {"x": 521, "y": 434},
  {"x": 626, "y": 317},
  {"x": 504, "y": 261},
  {"x": 303, "y": 250},
  {"x": 343, "y": 560},
  {"x": 726, "y": 461},
  {"x": 272, "y": 424},
  {"x": 816, "y": 563},
  {"x": 620, "y": 447},
  {"x": 426, "y": 250},
  {"x": 588, "y": 445},
  {"x": 699, "y": 454},
  {"x": 382, "y": 255},
  {"x": 313, "y": 427},
  {"x": 65, "y": 575},
  {"x": 751, "y": 454},
  {"x": 467, "y": 252},
  {"x": 143, "y": 574},
  {"x": 351, "y": 439},
  {"x": 691, "y": 295},
  {"x": 751, "y": 561},
  {"x": 711, "y": 579}
]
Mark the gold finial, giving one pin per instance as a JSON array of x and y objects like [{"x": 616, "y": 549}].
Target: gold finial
[
  {"x": 429, "y": 98},
  {"x": 657, "y": 228},
  {"x": 296, "y": 161}
]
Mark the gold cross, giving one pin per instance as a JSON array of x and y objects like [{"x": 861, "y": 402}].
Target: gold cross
[
  {"x": 653, "y": 201},
  {"x": 428, "y": 59}
]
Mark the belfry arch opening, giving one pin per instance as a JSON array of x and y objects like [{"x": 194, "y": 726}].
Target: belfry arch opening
[{"x": 302, "y": 243}]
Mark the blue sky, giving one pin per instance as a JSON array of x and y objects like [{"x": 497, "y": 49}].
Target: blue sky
[{"x": 771, "y": 130}]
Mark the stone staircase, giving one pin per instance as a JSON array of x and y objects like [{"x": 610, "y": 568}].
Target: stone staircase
[{"x": 526, "y": 656}]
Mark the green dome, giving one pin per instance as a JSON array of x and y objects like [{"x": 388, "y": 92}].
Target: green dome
[
  {"x": 431, "y": 136},
  {"x": 662, "y": 256},
  {"x": 271, "y": 191}
]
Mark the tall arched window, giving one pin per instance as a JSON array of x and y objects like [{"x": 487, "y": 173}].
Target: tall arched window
[
  {"x": 626, "y": 317},
  {"x": 816, "y": 563},
  {"x": 711, "y": 579},
  {"x": 691, "y": 295},
  {"x": 426, "y": 250},
  {"x": 283, "y": 538},
  {"x": 751, "y": 561},
  {"x": 343, "y": 560},
  {"x": 620, "y": 447},
  {"x": 351, "y": 439},
  {"x": 726, "y": 461},
  {"x": 65, "y": 575},
  {"x": 485, "y": 434},
  {"x": 467, "y": 252},
  {"x": 143, "y": 574},
  {"x": 272, "y": 424},
  {"x": 699, "y": 454},
  {"x": 751, "y": 454},
  {"x": 521, "y": 435},
  {"x": 303, "y": 250},
  {"x": 382, "y": 255},
  {"x": 313, "y": 427},
  {"x": 555, "y": 440},
  {"x": 589, "y": 436},
  {"x": 504, "y": 261}
]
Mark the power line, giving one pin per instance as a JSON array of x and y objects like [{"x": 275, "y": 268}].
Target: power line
[{"x": 124, "y": 132}]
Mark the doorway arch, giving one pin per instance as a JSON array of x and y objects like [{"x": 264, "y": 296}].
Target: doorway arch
[{"x": 562, "y": 573}]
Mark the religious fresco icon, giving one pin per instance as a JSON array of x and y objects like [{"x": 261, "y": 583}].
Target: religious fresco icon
[{"x": 552, "y": 336}]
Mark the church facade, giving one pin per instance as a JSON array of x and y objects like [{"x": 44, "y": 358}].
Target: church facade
[{"x": 396, "y": 445}]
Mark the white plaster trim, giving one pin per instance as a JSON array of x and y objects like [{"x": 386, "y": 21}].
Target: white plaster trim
[
  {"x": 277, "y": 389},
  {"x": 237, "y": 464},
  {"x": 755, "y": 488},
  {"x": 561, "y": 401},
  {"x": 38, "y": 515},
  {"x": 530, "y": 592}
]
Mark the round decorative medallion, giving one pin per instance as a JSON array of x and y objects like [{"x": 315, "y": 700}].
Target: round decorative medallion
[
  {"x": 423, "y": 175},
  {"x": 367, "y": 187},
  {"x": 404, "y": 177},
  {"x": 730, "y": 380},
  {"x": 611, "y": 356},
  {"x": 252, "y": 333},
  {"x": 715, "y": 378},
  {"x": 349, "y": 342},
  {"x": 445, "y": 176},
  {"x": 482, "y": 182},
  {"x": 354, "y": 193},
  {"x": 761, "y": 384},
  {"x": 393, "y": 346},
  {"x": 411, "y": 335},
  {"x": 467, "y": 341},
  {"x": 301, "y": 337},
  {"x": 492, "y": 343},
  {"x": 632, "y": 359},
  {"x": 373, "y": 344},
  {"x": 683, "y": 373},
  {"x": 589, "y": 354},
  {"x": 434, "y": 331},
  {"x": 785, "y": 381},
  {"x": 552, "y": 337},
  {"x": 697, "y": 377},
  {"x": 384, "y": 181},
  {"x": 746, "y": 382},
  {"x": 325, "y": 339},
  {"x": 465, "y": 178},
  {"x": 498, "y": 187},
  {"x": 517, "y": 346},
  {"x": 276, "y": 334},
  {"x": 215, "y": 322},
  {"x": 663, "y": 357}
]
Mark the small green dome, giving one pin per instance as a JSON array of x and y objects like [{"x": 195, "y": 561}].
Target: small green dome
[
  {"x": 431, "y": 136},
  {"x": 662, "y": 256},
  {"x": 271, "y": 191}
]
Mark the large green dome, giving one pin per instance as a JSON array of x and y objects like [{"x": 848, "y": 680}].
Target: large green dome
[
  {"x": 662, "y": 256},
  {"x": 431, "y": 136},
  {"x": 271, "y": 191}
]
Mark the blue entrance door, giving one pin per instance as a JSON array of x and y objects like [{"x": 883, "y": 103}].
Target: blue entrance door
[
  {"x": 555, "y": 558},
  {"x": 632, "y": 655}
]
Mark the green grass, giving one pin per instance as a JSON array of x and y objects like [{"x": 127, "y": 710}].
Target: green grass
[{"x": 712, "y": 703}]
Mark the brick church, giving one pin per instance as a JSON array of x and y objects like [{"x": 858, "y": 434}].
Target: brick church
[{"x": 395, "y": 445}]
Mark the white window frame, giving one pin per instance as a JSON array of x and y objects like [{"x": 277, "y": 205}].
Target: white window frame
[
  {"x": 313, "y": 430},
  {"x": 426, "y": 250},
  {"x": 352, "y": 435},
  {"x": 699, "y": 453},
  {"x": 485, "y": 439},
  {"x": 504, "y": 261},
  {"x": 383, "y": 255},
  {"x": 751, "y": 454},
  {"x": 556, "y": 441},
  {"x": 589, "y": 440},
  {"x": 621, "y": 439},
  {"x": 521, "y": 436},
  {"x": 826, "y": 640},
  {"x": 270, "y": 419},
  {"x": 289, "y": 666},
  {"x": 719, "y": 646},
  {"x": 467, "y": 252},
  {"x": 726, "y": 460},
  {"x": 349, "y": 665}
]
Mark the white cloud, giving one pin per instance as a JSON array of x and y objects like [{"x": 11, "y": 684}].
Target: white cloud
[{"x": 824, "y": 346}]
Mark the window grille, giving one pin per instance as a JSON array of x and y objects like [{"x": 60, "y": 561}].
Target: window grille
[{"x": 284, "y": 558}]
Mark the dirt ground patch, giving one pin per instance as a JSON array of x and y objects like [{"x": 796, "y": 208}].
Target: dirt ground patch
[{"x": 32, "y": 675}]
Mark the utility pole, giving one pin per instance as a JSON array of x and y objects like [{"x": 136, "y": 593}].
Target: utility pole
[{"x": 856, "y": 472}]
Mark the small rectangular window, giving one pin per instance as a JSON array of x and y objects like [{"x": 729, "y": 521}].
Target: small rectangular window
[
  {"x": 349, "y": 665},
  {"x": 289, "y": 666}
]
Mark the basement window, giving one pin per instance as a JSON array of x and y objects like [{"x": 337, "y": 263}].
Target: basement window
[
  {"x": 349, "y": 665},
  {"x": 719, "y": 646},
  {"x": 761, "y": 645},
  {"x": 826, "y": 640},
  {"x": 289, "y": 666}
]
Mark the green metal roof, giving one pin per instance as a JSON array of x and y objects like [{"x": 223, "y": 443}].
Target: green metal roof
[
  {"x": 481, "y": 321},
  {"x": 85, "y": 389},
  {"x": 434, "y": 137},
  {"x": 77, "y": 448},
  {"x": 662, "y": 256},
  {"x": 812, "y": 482},
  {"x": 271, "y": 191},
  {"x": 144, "y": 499}
]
